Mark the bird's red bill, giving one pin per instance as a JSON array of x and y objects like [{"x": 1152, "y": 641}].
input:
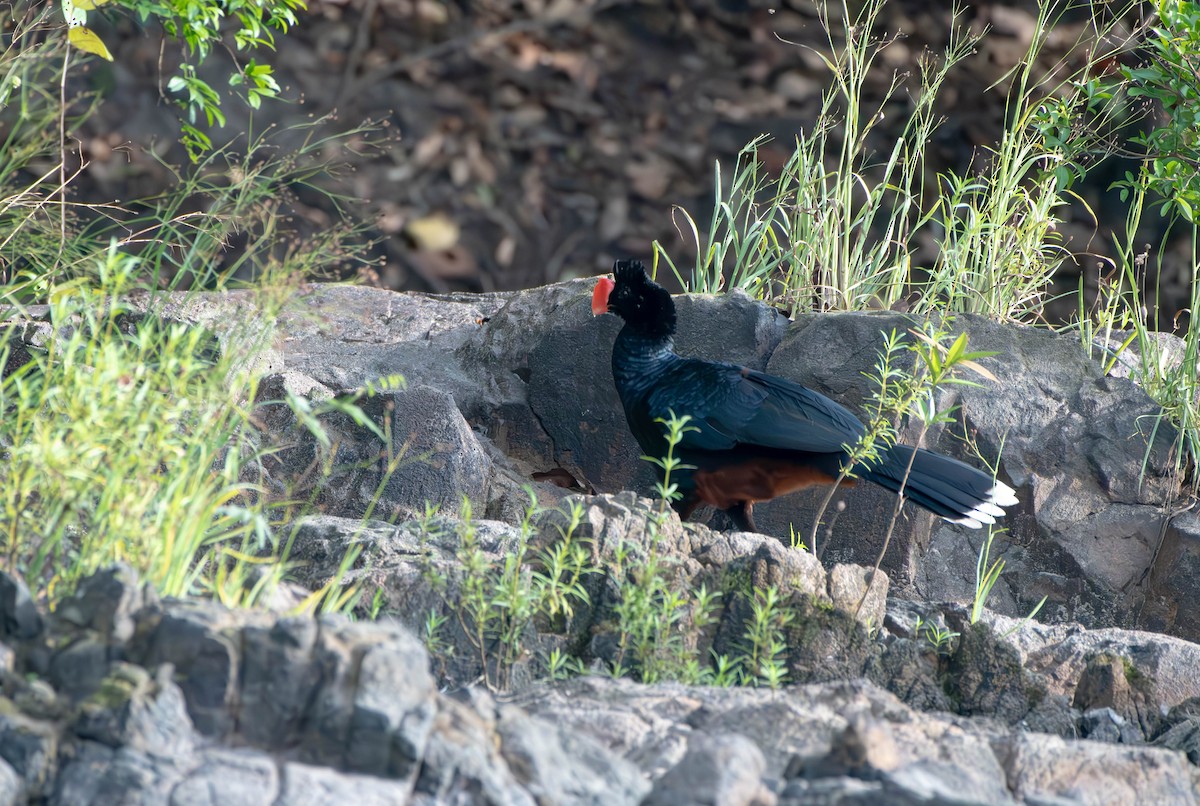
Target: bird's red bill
[{"x": 604, "y": 287}]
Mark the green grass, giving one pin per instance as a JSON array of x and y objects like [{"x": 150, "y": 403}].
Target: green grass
[
  {"x": 836, "y": 228},
  {"x": 119, "y": 443},
  {"x": 127, "y": 435}
]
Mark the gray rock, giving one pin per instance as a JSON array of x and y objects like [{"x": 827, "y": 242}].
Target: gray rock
[
  {"x": 462, "y": 762},
  {"x": 303, "y": 785},
  {"x": 19, "y": 617},
  {"x": 1183, "y": 735},
  {"x": 841, "y": 791},
  {"x": 278, "y": 680},
  {"x": 10, "y": 786},
  {"x": 860, "y": 592},
  {"x": 77, "y": 669},
  {"x": 228, "y": 778},
  {"x": 200, "y": 641},
  {"x": 416, "y": 569},
  {"x": 816, "y": 732},
  {"x": 1106, "y": 725},
  {"x": 105, "y": 602},
  {"x": 1173, "y": 580},
  {"x": 30, "y": 747},
  {"x": 132, "y": 710},
  {"x": 1040, "y": 768},
  {"x": 985, "y": 676},
  {"x": 96, "y": 775},
  {"x": 564, "y": 766},
  {"x": 724, "y": 770},
  {"x": 1137, "y": 674},
  {"x": 361, "y": 719}
]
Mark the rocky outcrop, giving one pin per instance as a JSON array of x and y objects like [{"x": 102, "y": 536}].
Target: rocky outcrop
[
  {"x": 186, "y": 701},
  {"x": 853, "y": 696},
  {"x": 122, "y": 698},
  {"x": 418, "y": 569},
  {"x": 507, "y": 389}
]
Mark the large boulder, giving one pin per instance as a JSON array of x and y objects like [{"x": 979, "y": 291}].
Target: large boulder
[
  {"x": 529, "y": 374},
  {"x": 1072, "y": 441},
  {"x": 515, "y": 389}
]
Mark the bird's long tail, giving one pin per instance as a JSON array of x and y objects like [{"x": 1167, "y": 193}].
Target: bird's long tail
[{"x": 945, "y": 486}]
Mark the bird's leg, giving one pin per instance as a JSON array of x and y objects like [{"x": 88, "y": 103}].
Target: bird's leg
[{"x": 742, "y": 514}]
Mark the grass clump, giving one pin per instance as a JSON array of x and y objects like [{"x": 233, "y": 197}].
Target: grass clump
[
  {"x": 127, "y": 431},
  {"x": 650, "y": 625},
  {"x": 836, "y": 228},
  {"x": 119, "y": 443},
  {"x": 497, "y": 600}
]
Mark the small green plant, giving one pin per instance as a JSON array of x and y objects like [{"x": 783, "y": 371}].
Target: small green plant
[
  {"x": 766, "y": 650},
  {"x": 561, "y": 666},
  {"x": 651, "y": 611},
  {"x": 899, "y": 393},
  {"x": 725, "y": 672},
  {"x": 794, "y": 539},
  {"x": 938, "y": 636},
  {"x": 432, "y": 632},
  {"x": 498, "y": 600}
]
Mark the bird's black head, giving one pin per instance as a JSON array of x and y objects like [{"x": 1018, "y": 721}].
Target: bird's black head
[{"x": 644, "y": 304}]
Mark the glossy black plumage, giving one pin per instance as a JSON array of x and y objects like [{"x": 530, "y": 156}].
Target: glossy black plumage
[{"x": 758, "y": 436}]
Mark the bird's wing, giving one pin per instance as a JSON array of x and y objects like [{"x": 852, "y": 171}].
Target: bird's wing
[{"x": 731, "y": 405}]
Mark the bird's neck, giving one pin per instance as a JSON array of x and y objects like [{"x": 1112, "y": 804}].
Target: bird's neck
[{"x": 638, "y": 360}]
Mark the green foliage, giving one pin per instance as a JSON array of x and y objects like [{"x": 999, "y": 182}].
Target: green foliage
[
  {"x": 127, "y": 438},
  {"x": 940, "y": 637},
  {"x": 1170, "y": 77},
  {"x": 652, "y": 611},
  {"x": 202, "y": 25},
  {"x": 766, "y": 653},
  {"x": 244, "y": 196},
  {"x": 198, "y": 26},
  {"x": 899, "y": 393},
  {"x": 126, "y": 434},
  {"x": 1162, "y": 89},
  {"x": 835, "y": 230},
  {"x": 809, "y": 238},
  {"x": 116, "y": 442},
  {"x": 658, "y": 623},
  {"x": 497, "y": 600}
]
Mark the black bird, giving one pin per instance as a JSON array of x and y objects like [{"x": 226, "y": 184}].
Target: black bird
[{"x": 757, "y": 436}]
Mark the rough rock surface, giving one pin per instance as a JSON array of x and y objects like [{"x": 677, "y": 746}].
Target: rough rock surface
[
  {"x": 355, "y": 715},
  {"x": 504, "y": 389},
  {"x": 507, "y": 390},
  {"x": 199, "y": 704}
]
